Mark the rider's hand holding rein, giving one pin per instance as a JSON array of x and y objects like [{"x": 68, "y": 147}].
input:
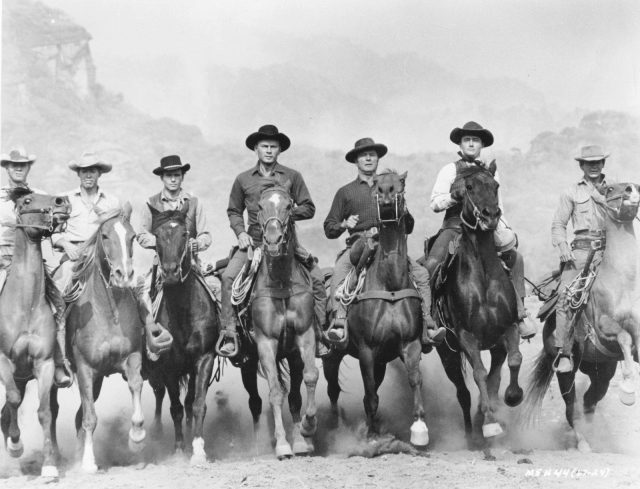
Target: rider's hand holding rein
[
  {"x": 72, "y": 251},
  {"x": 244, "y": 241},
  {"x": 565, "y": 253},
  {"x": 350, "y": 222}
]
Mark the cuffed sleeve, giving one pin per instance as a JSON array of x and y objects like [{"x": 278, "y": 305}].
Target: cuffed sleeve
[
  {"x": 235, "y": 209},
  {"x": 305, "y": 208},
  {"x": 333, "y": 223}
]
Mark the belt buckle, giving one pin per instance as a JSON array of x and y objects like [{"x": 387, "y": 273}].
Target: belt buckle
[{"x": 596, "y": 244}]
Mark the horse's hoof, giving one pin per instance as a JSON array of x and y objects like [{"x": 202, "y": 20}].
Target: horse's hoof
[
  {"x": 15, "y": 449},
  {"x": 137, "y": 435},
  {"x": 198, "y": 460},
  {"x": 309, "y": 425},
  {"x": 583, "y": 446},
  {"x": 49, "y": 472},
  {"x": 135, "y": 447},
  {"x": 283, "y": 451},
  {"x": 91, "y": 468},
  {"x": 513, "y": 397},
  {"x": 419, "y": 434},
  {"x": 490, "y": 430},
  {"x": 627, "y": 392},
  {"x": 300, "y": 447}
]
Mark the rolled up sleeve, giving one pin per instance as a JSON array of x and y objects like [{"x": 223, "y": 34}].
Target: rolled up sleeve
[
  {"x": 203, "y": 238},
  {"x": 441, "y": 194}
]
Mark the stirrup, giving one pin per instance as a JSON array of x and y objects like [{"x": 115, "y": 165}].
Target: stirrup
[
  {"x": 224, "y": 335},
  {"x": 439, "y": 335}
]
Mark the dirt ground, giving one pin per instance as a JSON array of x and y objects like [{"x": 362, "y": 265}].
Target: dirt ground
[{"x": 540, "y": 456}]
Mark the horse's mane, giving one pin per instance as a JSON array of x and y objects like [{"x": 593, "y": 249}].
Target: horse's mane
[
  {"x": 388, "y": 171},
  {"x": 82, "y": 269},
  {"x": 17, "y": 192}
]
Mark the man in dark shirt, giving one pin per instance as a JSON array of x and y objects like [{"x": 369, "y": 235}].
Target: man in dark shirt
[
  {"x": 354, "y": 209},
  {"x": 267, "y": 144}
]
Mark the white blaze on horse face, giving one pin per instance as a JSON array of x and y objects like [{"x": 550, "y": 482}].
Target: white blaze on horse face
[
  {"x": 634, "y": 195},
  {"x": 121, "y": 232}
]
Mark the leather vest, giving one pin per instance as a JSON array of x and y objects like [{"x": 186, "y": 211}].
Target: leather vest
[{"x": 156, "y": 202}]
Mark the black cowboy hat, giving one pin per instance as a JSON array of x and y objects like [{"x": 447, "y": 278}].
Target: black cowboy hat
[
  {"x": 268, "y": 132},
  {"x": 171, "y": 163},
  {"x": 363, "y": 145},
  {"x": 472, "y": 129}
]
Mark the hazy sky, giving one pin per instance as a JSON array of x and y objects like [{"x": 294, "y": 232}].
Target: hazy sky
[{"x": 579, "y": 53}]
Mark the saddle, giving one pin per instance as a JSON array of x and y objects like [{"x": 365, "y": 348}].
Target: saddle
[{"x": 439, "y": 276}]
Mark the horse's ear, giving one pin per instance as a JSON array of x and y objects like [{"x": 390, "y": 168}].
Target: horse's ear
[
  {"x": 403, "y": 177},
  {"x": 493, "y": 167},
  {"x": 126, "y": 211},
  {"x": 185, "y": 208}
]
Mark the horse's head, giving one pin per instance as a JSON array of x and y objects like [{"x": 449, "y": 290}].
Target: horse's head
[
  {"x": 274, "y": 214},
  {"x": 38, "y": 214},
  {"x": 389, "y": 194},
  {"x": 114, "y": 239},
  {"x": 172, "y": 243},
  {"x": 480, "y": 207},
  {"x": 622, "y": 200}
]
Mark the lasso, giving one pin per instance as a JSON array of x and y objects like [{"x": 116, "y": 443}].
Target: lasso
[
  {"x": 578, "y": 290},
  {"x": 346, "y": 296},
  {"x": 241, "y": 288}
]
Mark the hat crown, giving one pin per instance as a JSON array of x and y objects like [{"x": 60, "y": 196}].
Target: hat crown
[
  {"x": 269, "y": 130},
  {"x": 89, "y": 158},
  {"x": 472, "y": 126},
  {"x": 171, "y": 160},
  {"x": 363, "y": 142},
  {"x": 19, "y": 153},
  {"x": 590, "y": 151}
]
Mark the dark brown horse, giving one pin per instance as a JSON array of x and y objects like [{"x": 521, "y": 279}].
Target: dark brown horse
[
  {"x": 281, "y": 314},
  {"x": 104, "y": 328},
  {"x": 385, "y": 320},
  {"x": 609, "y": 328},
  {"x": 27, "y": 323},
  {"x": 479, "y": 309},
  {"x": 190, "y": 314}
]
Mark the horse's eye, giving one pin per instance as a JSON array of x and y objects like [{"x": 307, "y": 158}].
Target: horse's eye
[
  {"x": 27, "y": 201},
  {"x": 629, "y": 189},
  {"x": 105, "y": 236},
  {"x": 469, "y": 187},
  {"x": 610, "y": 189}
]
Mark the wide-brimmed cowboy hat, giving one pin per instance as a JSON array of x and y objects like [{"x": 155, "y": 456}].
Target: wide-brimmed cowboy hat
[
  {"x": 363, "y": 145},
  {"x": 169, "y": 163},
  {"x": 268, "y": 132},
  {"x": 17, "y": 155},
  {"x": 472, "y": 129},
  {"x": 89, "y": 159},
  {"x": 592, "y": 152}
]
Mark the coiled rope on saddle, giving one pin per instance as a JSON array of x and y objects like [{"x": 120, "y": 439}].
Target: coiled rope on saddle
[
  {"x": 346, "y": 296},
  {"x": 241, "y": 286},
  {"x": 577, "y": 292}
]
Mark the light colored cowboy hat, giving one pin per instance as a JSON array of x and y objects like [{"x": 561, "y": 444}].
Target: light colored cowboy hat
[
  {"x": 169, "y": 163},
  {"x": 472, "y": 129},
  {"x": 90, "y": 160},
  {"x": 592, "y": 152},
  {"x": 363, "y": 145},
  {"x": 268, "y": 132},
  {"x": 17, "y": 155}
]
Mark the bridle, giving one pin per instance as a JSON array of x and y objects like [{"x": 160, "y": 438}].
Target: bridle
[
  {"x": 614, "y": 212},
  {"x": 49, "y": 225},
  {"x": 398, "y": 202},
  {"x": 275, "y": 249},
  {"x": 108, "y": 283},
  {"x": 477, "y": 215},
  {"x": 187, "y": 251}
]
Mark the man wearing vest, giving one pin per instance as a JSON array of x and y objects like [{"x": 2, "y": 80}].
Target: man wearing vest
[
  {"x": 578, "y": 204},
  {"x": 447, "y": 195},
  {"x": 18, "y": 165},
  {"x": 267, "y": 144},
  {"x": 354, "y": 210}
]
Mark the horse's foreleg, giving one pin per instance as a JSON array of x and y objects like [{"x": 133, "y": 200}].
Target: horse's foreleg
[
  {"x": 452, "y": 363},
  {"x": 310, "y": 374},
  {"x": 249, "y": 371},
  {"x": 158, "y": 391},
  {"x": 43, "y": 372},
  {"x": 55, "y": 408},
  {"x": 296, "y": 366},
  {"x": 176, "y": 410},
  {"x": 203, "y": 369},
  {"x": 411, "y": 354},
  {"x": 267, "y": 351},
  {"x": 371, "y": 399},
  {"x": 513, "y": 393},
  {"x": 627, "y": 392},
  {"x": 567, "y": 385},
  {"x": 600, "y": 376},
  {"x": 85, "y": 377},
  {"x": 188, "y": 400},
  {"x": 498, "y": 355},
  {"x": 9, "y": 417},
  {"x": 331, "y": 368},
  {"x": 132, "y": 367}
]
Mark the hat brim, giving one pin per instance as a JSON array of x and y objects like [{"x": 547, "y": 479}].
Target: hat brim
[
  {"x": 484, "y": 134},
  {"x": 592, "y": 158},
  {"x": 161, "y": 169},
  {"x": 256, "y": 137},
  {"x": 6, "y": 159},
  {"x": 352, "y": 155},
  {"x": 102, "y": 167}
]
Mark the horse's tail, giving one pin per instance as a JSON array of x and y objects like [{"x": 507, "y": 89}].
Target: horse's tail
[{"x": 538, "y": 386}]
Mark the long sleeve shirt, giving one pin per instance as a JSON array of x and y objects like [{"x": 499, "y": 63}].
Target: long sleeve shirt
[
  {"x": 85, "y": 216},
  {"x": 355, "y": 198},
  {"x": 246, "y": 191},
  {"x": 203, "y": 238},
  {"x": 578, "y": 204}
]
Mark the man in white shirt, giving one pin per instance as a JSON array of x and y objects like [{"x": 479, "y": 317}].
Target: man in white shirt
[{"x": 447, "y": 195}]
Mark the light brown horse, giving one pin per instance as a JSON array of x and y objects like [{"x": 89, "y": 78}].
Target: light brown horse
[
  {"x": 27, "y": 323},
  {"x": 282, "y": 317},
  {"x": 104, "y": 327},
  {"x": 609, "y": 328}
]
